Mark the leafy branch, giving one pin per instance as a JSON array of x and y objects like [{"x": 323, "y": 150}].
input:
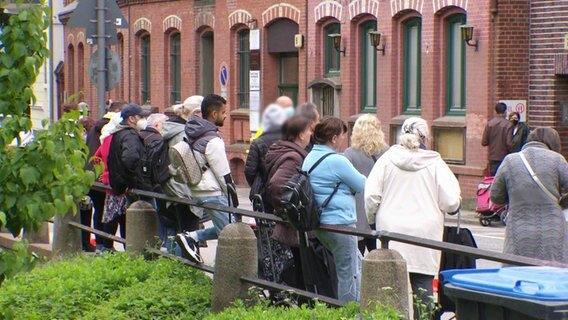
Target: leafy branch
[{"x": 46, "y": 176}]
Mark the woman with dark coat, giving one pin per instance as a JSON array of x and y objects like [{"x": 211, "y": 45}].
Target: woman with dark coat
[
  {"x": 255, "y": 173},
  {"x": 272, "y": 255},
  {"x": 367, "y": 146},
  {"x": 282, "y": 162},
  {"x": 518, "y": 132},
  {"x": 536, "y": 227}
]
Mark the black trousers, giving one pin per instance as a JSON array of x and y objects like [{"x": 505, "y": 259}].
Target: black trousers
[
  {"x": 367, "y": 243},
  {"x": 421, "y": 289},
  {"x": 98, "y": 198},
  {"x": 111, "y": 228}
]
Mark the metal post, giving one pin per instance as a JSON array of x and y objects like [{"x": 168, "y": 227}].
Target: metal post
[{"x": 101, "y": 61}]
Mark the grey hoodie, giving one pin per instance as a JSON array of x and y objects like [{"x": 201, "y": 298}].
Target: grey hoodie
[
  {"x": 198, "y": 127},
  {"x": 173, "y": 132}
]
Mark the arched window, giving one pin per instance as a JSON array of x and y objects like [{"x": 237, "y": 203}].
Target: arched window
[
  {"x": 412, "y": 33},
  {"x": 243, "y": 54},
  {"x": 80, "y": 68},
  {"x": 71, "y": 68},
  {"x": 455, "y": 65},
  {"x": 175, "y": 68},
  {"x": 145, "y": 68},
  {"x": 368, "y": 68},
  {"x": 332, "y": 58}
]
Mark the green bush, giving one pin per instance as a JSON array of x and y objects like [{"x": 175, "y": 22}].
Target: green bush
[
  {"x": 113, "y": 286},
  {"x": 119, "y": 286},
  {"x": 320, "y": 311}
]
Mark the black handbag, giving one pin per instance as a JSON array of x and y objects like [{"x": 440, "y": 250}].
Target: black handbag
[{"x": 455, "y": 235}]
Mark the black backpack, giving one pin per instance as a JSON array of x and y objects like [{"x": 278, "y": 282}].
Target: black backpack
[
  {"x": 155, "y": 161},
  {"x": 298, "y": 200}
]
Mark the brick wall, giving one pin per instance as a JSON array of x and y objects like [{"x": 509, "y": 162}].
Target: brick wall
[
  {"x": 547, "y": 92},
  {"x": 485, "y": 80}
]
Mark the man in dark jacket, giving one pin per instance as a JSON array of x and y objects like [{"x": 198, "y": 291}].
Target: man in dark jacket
[
  {"x": 309, "y": 111},
  {"x": 98, "y": 197},
  {"x": 495, "y": 136},
  {"x": 126, "y": 150}
]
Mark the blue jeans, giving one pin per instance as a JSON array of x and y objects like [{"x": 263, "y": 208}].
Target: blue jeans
[
  {"x": 220, "y": 219},
  {"x": 347, "y": 262}
]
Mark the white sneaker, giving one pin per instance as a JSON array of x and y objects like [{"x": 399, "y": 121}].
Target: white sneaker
[{"x": 189, "y": 248}]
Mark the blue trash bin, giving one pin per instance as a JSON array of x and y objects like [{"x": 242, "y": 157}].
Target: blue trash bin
[{"x": 515, "y": 293}]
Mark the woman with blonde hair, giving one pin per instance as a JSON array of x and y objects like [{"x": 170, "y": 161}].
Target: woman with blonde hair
[
  {"x": 407, "y": 192},
  {"x": 367, "y": 146}
]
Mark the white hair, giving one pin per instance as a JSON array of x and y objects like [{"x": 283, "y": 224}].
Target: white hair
[
  {"x": 155, "y": 118},
  {"x": 414, "y": 132}
]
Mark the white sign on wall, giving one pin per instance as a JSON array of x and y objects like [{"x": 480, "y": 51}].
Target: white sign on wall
[
  {"x": 254, "y": 110},
  {"x": 254, "y": 39},
  {"x": 519, "y": 106},
  {"x": 254, "y": 80}
]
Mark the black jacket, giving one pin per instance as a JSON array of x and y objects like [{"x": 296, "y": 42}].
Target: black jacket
[
  {"x": 255, "y": 160},
  {"x": 126, "y": 151}
]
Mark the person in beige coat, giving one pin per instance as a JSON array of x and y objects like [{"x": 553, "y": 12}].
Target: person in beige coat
[{"x": 407, "y": 192}]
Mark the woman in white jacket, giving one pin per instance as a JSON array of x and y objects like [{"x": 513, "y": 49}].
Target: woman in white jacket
[{"x": 407, "y": 192}]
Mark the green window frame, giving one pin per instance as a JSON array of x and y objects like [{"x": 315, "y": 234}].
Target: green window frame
[
  {"x": 145, "y": 67},
  {"x": 332, "y": 57},
  {"x": 243, "y": 54},
  {"x": 175, "y": 68},
  {"x": 412, "y": 70},
  {"x": 368, "y": 69},
  {"x": 288, "y": 79},
  {"x": 455, "y": 66}
]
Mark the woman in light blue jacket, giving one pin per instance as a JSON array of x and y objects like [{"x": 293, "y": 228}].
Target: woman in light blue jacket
[{"x": 333, "y": 172}]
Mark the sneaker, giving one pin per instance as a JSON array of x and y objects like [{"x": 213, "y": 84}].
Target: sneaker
[{"x": 189, "y": 247}]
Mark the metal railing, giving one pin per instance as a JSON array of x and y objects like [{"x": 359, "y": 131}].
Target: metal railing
[{"x": 383, "y": 236}]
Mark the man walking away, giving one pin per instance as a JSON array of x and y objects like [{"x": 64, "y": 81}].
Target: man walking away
[
  {"x": 202, "y": 135},
  {"x": 495, "y": 136}
]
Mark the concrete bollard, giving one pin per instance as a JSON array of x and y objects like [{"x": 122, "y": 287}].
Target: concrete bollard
[
  {"x": 66, "y": 239},
  {"x": 384, "y": 280},
  {"x": 141, "y": 227},
  {"x": 40, "y": 236},
  {"x": 236, "y": 256}
]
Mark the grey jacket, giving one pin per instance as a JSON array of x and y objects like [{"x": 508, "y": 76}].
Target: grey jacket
[
  {"x": 536, "y": 227},
  {"x": 364, "y": 164}
]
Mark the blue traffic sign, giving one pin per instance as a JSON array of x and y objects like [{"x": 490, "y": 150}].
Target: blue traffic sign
[{"x": 223, "y": 75}]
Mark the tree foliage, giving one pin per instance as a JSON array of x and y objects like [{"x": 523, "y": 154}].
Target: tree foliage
[{"x": 45, "y": 177}]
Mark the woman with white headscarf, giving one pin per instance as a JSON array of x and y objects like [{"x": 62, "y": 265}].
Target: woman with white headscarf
[{"x": 407, "y": 192}]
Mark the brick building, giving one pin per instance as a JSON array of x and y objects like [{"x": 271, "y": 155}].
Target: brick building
[{"x": 173, "y": 49}]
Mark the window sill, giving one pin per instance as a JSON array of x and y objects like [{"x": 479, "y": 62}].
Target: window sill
[
  {"x": 450, "y": 121},
  {"x": 240, "y": 112}
]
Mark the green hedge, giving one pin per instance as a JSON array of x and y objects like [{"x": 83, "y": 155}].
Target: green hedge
[
  {"x": 113, "y": 286},
  {"x": 118, "y": 286}
]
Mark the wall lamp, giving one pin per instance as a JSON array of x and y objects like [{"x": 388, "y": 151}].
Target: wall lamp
[
  {"x": 336, "y": 38},
  {"x": 375, "y": 38},
  {"x": 467, "y": 35}
]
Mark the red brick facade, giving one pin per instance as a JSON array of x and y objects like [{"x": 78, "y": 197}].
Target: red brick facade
[{"x": 497, "y": 70}]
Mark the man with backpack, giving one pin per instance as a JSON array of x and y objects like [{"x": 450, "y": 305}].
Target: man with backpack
[{"x": 208, "y": 150}]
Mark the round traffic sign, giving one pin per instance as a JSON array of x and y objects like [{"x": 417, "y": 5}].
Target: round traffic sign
[
  {"x": 223, "y": 75},
  {"x": 520, "y": 108}
]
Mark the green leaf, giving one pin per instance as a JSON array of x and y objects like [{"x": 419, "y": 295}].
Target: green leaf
[
  {"x": 2, "y": 219},
  {"x": 29, "y": 175}
]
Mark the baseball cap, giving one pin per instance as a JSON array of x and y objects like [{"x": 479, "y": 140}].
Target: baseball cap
[{"x": 133, "y": 110}]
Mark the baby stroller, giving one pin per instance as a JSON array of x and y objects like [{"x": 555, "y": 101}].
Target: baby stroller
[{"x": 488, "y": 211}]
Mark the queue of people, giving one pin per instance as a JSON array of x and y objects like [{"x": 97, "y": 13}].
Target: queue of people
[{"x": 404, "y": 188}]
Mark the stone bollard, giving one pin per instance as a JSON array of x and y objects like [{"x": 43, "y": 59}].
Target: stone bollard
[
  {"x": 141, "y": 227},
  {"x": 40, "y": 236},
  {"x": 384, "y": 280},
  {"x": 66, "y": 239},
  {"x": 236, "y": 256}
]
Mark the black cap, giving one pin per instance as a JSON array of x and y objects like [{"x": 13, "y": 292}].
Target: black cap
[{"x": 133, "y": 110}]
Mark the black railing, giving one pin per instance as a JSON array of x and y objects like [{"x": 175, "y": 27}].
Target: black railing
[{"x": 383, "y": 236}]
